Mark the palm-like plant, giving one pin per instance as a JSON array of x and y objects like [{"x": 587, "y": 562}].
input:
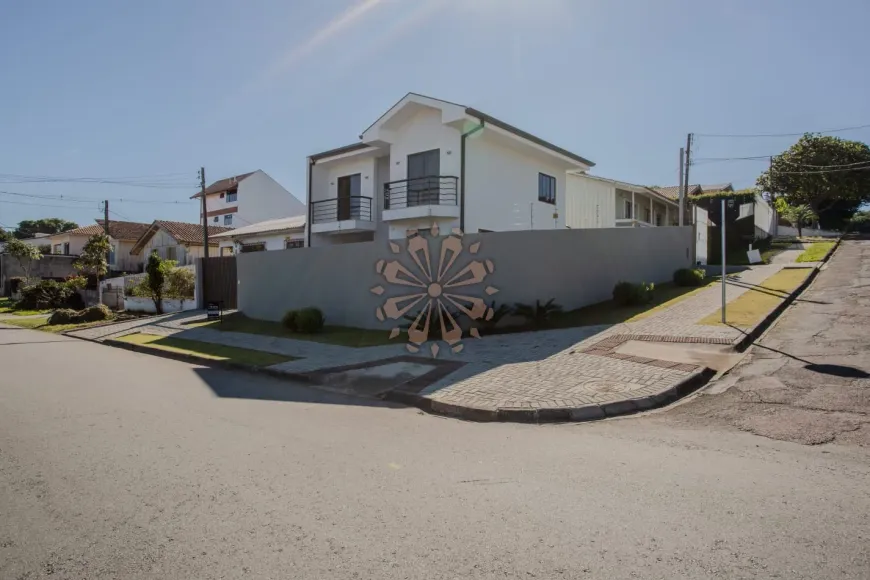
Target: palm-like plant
[
  {"x": 799, "y": 216},
  {"x": 540, "y": 314},
  {"x": 498, "y": 313}
]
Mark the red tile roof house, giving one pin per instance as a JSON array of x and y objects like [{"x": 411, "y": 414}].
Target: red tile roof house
[
  {"x": 122, "y": 236},
  {"x": 177, "y": 241}
]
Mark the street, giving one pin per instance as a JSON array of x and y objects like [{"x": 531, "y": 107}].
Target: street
[{"x": 115, "y": 464}]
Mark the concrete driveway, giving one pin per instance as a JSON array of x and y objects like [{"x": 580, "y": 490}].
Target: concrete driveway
[{"x": 115, "y": 464}]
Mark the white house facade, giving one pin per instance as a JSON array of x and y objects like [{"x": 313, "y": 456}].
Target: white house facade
[
  {"x": 427, "y": 160},
  {"x": 182, "y": 242},
  {"x": 246, "y": 199},
  {"x": 277, "y": 234},
  {"x": 596, "y": 202}
]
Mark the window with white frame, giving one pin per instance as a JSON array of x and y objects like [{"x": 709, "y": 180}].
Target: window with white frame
[
  {"x": 171, "y": 253},
  {"x": 228, "y": 219},
  {"x": 216, "y": 218},
  {"x": 546, "y": 188},
  {"x": 232, "y": 196}
]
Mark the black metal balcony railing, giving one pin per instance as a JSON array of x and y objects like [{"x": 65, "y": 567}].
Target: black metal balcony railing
[
  {"x": 355, "y": 207},
  {"x": 431, "y": 190}
]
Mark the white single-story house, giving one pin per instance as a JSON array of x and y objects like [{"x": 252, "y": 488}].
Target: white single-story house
[
  {"x": 597, "y": 202},
  {"x": 177, "y": 241},
  {"x": 277, "y": 234},
  {"x": 427, "y": 160}
]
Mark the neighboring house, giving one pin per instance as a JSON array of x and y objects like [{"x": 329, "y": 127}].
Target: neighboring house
[
  {"x": 122, "y": 236},
  {"x": 38, "y": 240},
  {"x": 763, "y": 214},
  {"x": 277, "y": 234},
  {"x": 246, "y": 199},
  {"x": 177, "y": 241},
  {"x": 426, "y": 160},
  {"x": 597, "y": 202}
]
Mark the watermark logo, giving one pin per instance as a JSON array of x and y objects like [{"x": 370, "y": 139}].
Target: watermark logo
[{"x": 439, "y": 295}]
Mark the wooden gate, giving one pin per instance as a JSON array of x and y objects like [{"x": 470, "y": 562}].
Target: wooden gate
[{"x": 221, "y": 284}]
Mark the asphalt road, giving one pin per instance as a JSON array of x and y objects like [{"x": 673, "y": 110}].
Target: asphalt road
[
  {"x": 115, "y": 464},
  {"x": 808, "y": 379}
]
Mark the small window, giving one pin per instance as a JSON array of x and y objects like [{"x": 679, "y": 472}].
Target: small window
[
  {"x": 171, "y": 253},
  {"x": 546, "y": 188},
  {"x": 216, "y": 218},
  {"x": 232, "y": 196},
  {"x": 258, "y": 247},
  {"x": 292, "y": 244},
  {"x": 627, "y": 215},
  {"x": 227, "y": 251},
  {"x": 228, "y": 219}
]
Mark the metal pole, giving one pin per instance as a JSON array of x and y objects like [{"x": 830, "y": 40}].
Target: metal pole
[
  {"x": 682, "y": 193},
  {"x": 689, "y": 140},
  {"x": 722, "y": 220},
  {"x": 204, "y": 236}
]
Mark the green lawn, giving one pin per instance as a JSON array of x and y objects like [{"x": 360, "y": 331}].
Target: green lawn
[
  {"x": 41, "y": 323},
  {"x": 7, "y": 306},
  {"x": 339, "y": 335},
  {"x": 205, "y": 350},
  {"x": 608, "y": 312},
  {"x": 816, "y": 252}
]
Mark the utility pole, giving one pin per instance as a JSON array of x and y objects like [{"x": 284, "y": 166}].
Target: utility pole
[
  {"x": 204, "y": 235},
  {"x": 724, "y": 270},
  {"x": 682, "y": 193},
  {"x": 109, "y": 252},
  {"x": 689, "y": 139}
]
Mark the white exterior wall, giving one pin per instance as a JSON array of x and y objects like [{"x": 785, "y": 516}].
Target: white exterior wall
[
  {"x": 502, "y": 185},
  {"x": 424, "y": 132},
  {"x": 259, "y": 198},
  {"x": 273, "y": 241},
  {"x": 590, "y": 203},
  {"x": 160, "y": 241}
]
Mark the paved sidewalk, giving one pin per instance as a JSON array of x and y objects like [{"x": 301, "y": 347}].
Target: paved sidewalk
[{"x": 566, "y": 369}]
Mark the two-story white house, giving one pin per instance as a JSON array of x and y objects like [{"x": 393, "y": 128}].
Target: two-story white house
[
  {"x": 246, "y": 199},
  {"x": 426, "y": 160}
]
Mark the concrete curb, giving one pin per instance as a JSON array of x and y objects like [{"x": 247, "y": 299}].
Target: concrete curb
[
  {"x": 744, "y": 342},
  {"x": 593, "y": 412}
]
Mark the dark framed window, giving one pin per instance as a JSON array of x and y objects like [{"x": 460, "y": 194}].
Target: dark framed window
[
  {"x": 628, "y": 215},
  {"x": 546, "y": 188},
  {"x": 232, "y": 196},
  {"x": 258, "y": 247},
  {"x": 659, "y": 219},
  {"x": 291, "y": 244}
]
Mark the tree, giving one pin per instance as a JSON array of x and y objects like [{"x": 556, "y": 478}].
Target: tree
[
  {"x": 157, "y": 270},
  {"x": 4, "y": 235},
  {"x": 92, "y": 260},
  {"x": 24, "y": 254},
  {"x": 799, "y": 216},
  {"x": 829, "y": 174},
  {"x": 29, "y": 228}
]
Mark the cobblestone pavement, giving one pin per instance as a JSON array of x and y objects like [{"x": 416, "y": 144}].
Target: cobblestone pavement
[{"x": 548, "y": 369}]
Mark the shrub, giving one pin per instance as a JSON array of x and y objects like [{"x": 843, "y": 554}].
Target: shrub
[
  {"x": 309, "y": 320},
  {"x": 289, "y": 320},
  {"x": 498, "y": 313},
  {"x": 630, "y": 294},
  {"x": 63, "y": 316},
  {"x": 539, "y": 314},
  {"x": 689, "y": 277},
  {"x": 47, "y": 294},
  {"x": 95, "y": 313},
  {"x": 180, "y": 283}
]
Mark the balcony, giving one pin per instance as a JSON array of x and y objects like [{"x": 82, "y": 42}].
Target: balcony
[
  {"x": 342, "y": 215},
  {"x": 433, "y": 196}
]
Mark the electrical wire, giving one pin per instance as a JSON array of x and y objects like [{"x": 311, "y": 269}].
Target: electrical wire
[
  {"x": 782, "y": 134},
  {"x": 75, "y": 199}
]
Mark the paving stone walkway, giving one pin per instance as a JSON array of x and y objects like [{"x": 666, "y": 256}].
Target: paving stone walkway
[{"x": 554, "y": 369}]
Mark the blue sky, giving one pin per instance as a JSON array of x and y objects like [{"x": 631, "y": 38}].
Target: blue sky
[{"x": 101, "y": 88}]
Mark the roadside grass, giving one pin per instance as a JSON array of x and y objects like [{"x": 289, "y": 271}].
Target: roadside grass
[
  {"x": 752, "y": 306},
  {"x": 664, "y": 296},
  {"x": 41, "y": 323},
  {"x": 205, "y": 350},
  {"x": 7, "y": 306},
  {"x": 816, "y": 252},
  {"x": 338, "y": 335}
]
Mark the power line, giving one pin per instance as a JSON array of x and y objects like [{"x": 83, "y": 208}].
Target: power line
[
  {"x": 44, "y": 204},
  {"x": 166, "y": 181},
  {"x": 61, "y": 197},
  {"x": 783, "y": 134},
  {"x": 865, "y": 168}
]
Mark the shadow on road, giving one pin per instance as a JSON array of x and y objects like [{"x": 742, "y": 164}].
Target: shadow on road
[{"x": 241, "y": 385}]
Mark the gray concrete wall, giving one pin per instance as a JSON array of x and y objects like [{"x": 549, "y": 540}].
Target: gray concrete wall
[
  {"x": 49, "y": 266},
  {"x": 575, "y": 267}
]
